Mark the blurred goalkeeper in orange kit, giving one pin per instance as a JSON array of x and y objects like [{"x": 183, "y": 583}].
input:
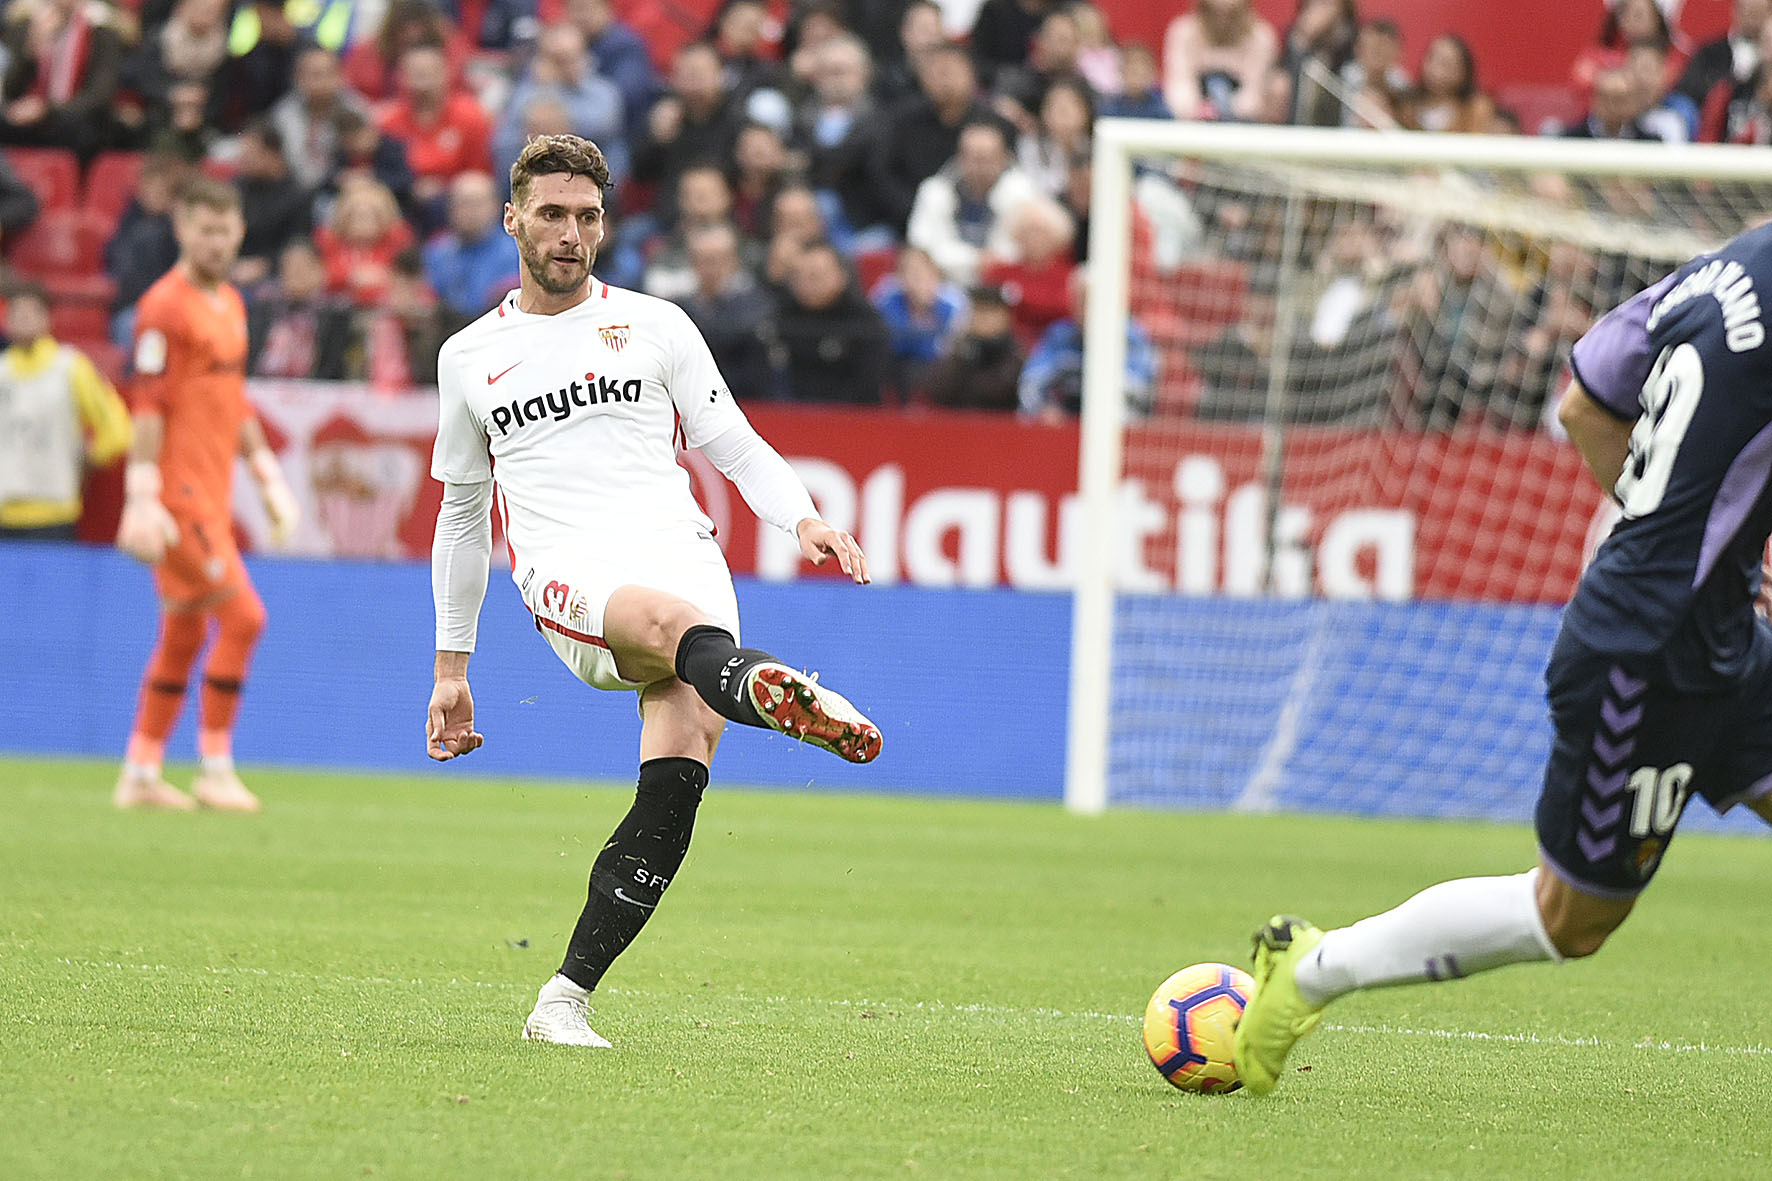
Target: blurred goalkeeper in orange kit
[{"x": 191, "y": 419}]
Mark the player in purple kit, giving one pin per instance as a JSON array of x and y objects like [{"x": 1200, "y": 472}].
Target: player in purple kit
[{"x": 1660, "y": 681}]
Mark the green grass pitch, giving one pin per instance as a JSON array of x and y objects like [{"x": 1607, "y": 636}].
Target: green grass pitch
[{"x": 835, "y": 987}]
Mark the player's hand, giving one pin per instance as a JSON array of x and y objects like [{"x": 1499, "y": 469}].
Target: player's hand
[
  {"x": 146, "y": 528},
  {"x": 280, "y": 503},
  {"x": 449, "y": 728},
  {"x": 820, "y": 542}
]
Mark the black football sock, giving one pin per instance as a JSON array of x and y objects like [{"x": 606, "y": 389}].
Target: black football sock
[
  {"x": 631, "y": 873},
  {"x": 710, "y": 661}
]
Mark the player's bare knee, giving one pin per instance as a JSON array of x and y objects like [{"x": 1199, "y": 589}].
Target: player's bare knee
[
  {"x": 1577, "y": 924},
  {"x": 668, "y": 623}
]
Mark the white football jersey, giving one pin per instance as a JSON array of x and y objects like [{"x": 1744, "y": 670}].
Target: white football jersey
[{"x": 577, "y": 418}]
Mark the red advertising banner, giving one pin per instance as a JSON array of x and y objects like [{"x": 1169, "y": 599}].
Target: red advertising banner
[{"x": 976, "y": 500}]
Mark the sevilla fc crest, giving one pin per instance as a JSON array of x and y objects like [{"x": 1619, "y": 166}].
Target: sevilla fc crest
[{"x": 615, "y": 336}]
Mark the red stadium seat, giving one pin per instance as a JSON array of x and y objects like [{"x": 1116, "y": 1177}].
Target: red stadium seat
[
  {"x": 61, "y": 243},
  {"x": 1542, "y": 107},
  {"x": 110, "y": 183},
  {"x": 873, "y": 265},
  {"x": 52, "y": 173}
]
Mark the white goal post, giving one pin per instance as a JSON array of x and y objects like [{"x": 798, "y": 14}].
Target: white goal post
[{"x": 1428, "y": 176}]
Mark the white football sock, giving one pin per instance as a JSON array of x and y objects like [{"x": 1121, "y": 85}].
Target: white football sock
[
  {"x": 1445, "y": 932},
  {"x": 562, "y": 988}
]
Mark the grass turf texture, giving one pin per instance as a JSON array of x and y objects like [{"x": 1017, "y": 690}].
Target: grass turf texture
[{"x": 836, "y": 986}]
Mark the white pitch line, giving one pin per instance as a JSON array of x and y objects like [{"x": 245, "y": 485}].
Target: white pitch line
[{"x": 944, "y": 1007}]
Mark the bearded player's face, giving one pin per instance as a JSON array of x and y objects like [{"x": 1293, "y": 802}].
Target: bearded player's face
[
  {"x": 558, "y": 227},
  {"x": 209, "y": 239}
]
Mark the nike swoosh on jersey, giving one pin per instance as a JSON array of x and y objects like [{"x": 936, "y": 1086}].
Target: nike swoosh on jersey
[
  {"x": 635, "y": 901},
  {"x": 491, "y": 378}
]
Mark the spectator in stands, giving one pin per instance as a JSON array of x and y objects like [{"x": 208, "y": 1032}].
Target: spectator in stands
[
  {"x": 294, "y": 327},
  {"x": 276, "y": 209},
  {"x": 1140, "y": 96},
  {"x": 1628, "y": 23},
  {"x": 18, "y": 204},
  {"x": 142, "y": 247},
  {"x": 897, "y": 74},
  {"x": 759, "y": 169},
  {"x": 372, "y": 65},
  {"x": 359, "y": 241},
  {"x": 832, "y": 132},
  {"x": 1021, "y": 89},
  {"x": 1051, "y": 386},
  {"x": 181, "y": 125},
  {"x": 1052, "y": 149},
  {"x": 703, "y": 199},
  {"x": 794, "y": 224},
  {"x": 831, "y": 341},
  {"x": 746, "y": 56},
  {"x": 1003, "y": 32},
  {"x": 694, "y": 121},
  {"x": 59, "y": 417},
  {"x": 1667, "y": 114},
  {"x": 561, "y": 69},
  {"x": 618, "y": 54},
  {"x": 444, "y": 129},
  {"x": 1721, "y": 68},
  {"x": 543, "y": 114},
  {"x": 1215, "y": 59},
  {"x": 962, "y": 212},
  {"x": 308, "y": 116},
  {"x": 1562, "y": 313},
  {"x": 493, "y": 24},
  {"x": 981, "y": 367},
  {"x": 1346, "y": 342},
  {"x": 1447, "y": 97},
  {"x": 263, "y": 45},
  {"x": 473, "y": 262},
  {"x": 365, "y": 153},
  {"x": 1098, "y": 58},
  {"x": 1319, "y": 42},
  {"x": 1743, "y": 119},
  {"x": 731, "y": 310},
  {"x": 811, "y": 26},
  {"x": 63, "y": 64},
  {"x": 922, "y": 133},
  {"x": 1036, "y": 283},
  {"x": 399, "y": 335},
  {"x": 1456, "y": 313},
  {"x": 922, "y": 312},
  {"x": 190, "y": 47},
  {"x": 1374, "y": 77},
  {"x": 1617, "y": 101}
]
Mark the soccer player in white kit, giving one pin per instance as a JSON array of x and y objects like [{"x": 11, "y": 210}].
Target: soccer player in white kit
[{"x": 576, "y": 395}]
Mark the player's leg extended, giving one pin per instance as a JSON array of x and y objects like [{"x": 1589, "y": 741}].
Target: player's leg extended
[
  {"x": 654, "y": 635},
  {"x": 141, "y": 785},
  {"x": 642, "y": 856},
  {"x": 240, "y": 618}
]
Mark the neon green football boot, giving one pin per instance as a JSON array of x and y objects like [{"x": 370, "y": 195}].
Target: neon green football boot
[{"x": 1277, "y": 1014}]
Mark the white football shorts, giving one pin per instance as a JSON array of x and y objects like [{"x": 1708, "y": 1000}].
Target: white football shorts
[{"x": 568, "y": 593}]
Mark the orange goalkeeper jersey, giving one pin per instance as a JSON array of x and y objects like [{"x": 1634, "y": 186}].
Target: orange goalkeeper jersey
[{"x": 190, "y": 365}]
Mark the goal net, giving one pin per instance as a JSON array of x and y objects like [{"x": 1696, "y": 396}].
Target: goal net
[{"x": 1327, "y": 543}]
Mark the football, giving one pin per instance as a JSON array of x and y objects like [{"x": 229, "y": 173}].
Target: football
[{"x": 1190, "y": 1023}]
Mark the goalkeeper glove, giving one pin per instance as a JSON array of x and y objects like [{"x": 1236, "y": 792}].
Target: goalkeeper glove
[{"x": 280, "y": 502}]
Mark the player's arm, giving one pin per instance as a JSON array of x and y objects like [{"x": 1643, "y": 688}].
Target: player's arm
[
  {"x": 461, "y": 555},
  {"x": 146, "y": 529},
  {"x": 772, "y": 489},
  {"x": 280, "y": 503},
  {"x": 102, "y": 412},
  {"x": 1598, "y": 433}
]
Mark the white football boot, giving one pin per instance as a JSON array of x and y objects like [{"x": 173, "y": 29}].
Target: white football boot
[{"x": 561, "y": 1016}]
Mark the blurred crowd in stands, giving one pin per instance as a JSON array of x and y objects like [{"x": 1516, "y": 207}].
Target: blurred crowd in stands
[{"x": 855, "y": 204}]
